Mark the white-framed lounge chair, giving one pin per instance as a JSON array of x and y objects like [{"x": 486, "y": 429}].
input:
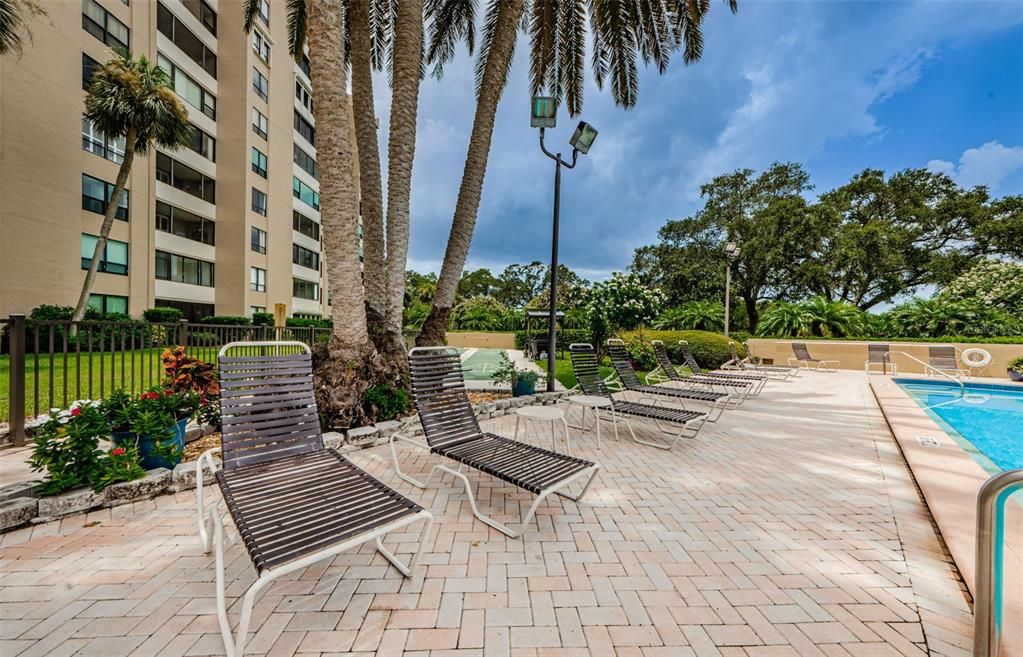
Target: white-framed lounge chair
[
  {"x": 718, "y": 401},
  {"x": 749, "y": 364},
  {"x": 738, "y": 385},
  {"x": 587, "y": 374},
  {"x": 453, "y": 432},
  {"x": 944, "y": 359},
  {"x": 801, "y": 358},
  {"x": 293, "y": 501},
  {"x": 879, "y": 354},
  {"x": 759, "y": 379}
]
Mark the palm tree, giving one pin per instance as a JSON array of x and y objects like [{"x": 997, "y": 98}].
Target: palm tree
[
  {"x": 130, "y": 98},
  {"x": 622, "y": 32},
  {"x": 14, "y": 15}
]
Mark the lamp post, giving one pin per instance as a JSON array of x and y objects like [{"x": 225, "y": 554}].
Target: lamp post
[
  {"x": 731, "y": 253},
  {"x": 543, "y": 115}
]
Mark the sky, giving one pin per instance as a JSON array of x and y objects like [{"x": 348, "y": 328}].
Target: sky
[{"x": 838, "y": 86}]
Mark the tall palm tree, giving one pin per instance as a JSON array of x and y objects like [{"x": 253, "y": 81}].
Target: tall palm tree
[
  {"x": 14, "y": 15},
  {"x": 622, "y": 33},
  {"x": 130, "y": 98}
]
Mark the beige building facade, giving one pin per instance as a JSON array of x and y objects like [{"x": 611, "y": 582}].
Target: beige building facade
[{"x": 229, "y": 225}]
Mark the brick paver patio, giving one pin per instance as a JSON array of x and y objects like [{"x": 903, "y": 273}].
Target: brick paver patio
[{"x": 791, "y": 527}]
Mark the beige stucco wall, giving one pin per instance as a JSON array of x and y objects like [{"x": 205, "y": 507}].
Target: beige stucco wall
[
  {"x": 480, "y": 340},
  {"x": 851, "y": 355}
]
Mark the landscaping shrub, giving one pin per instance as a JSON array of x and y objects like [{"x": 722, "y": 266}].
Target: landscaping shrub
[
  {"x": 709, "y": 349},
  {"x": 698, "y": 315},
  {"x": 262, "y": 319},
  {"x": 641, "y": 353},
  {"x": 226, "y": 320},
  {"x": 202, "y": 339},
  {"x": 308, "y": 322},
  {"x": 565, "y": 337},
  {"x": 991, "y": 282},
  {"x": 481, "y": 313},
  {"x": 162, "y": 314},
  {"x": 386, "y": 403}
]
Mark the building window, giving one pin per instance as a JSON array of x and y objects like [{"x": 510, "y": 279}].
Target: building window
[
  {"x": 189, "y": 89},
  {"x": 305, "y": 128},
  {"x": 111, "y": 148},
  {"x": 260, "y": 84},
  {"x": 264, "y": 11},
  {"x": 305, "y": 193},
  {"x": 259, "y": 123},
  {"x": 108, "y": 303},
  {"x": 304, "y": 225},
  {"x": 259, "y": 161},
  {"x": 256, "y": 309},
  {"x": 97, "y": 22},
  {"x": 182, "y": 269},
  {"x": 304, "y": 289},
  {"x": 115, "y": 255},
  {"x": 304, "y": 66},
  {"x": 202, "y": 10},
  {"x": 203, "y": 144},
  {"x": 306, "y": 162},
  {"x": 185, "y": 178},
  {"x": 303, "y": 257},
  {"x": 257, "y": 279},
  {"x": 89, "y": 66},
  {"x": 182, "y": 37},
  {"x": 258, "y": 240},
  {"x": 304, "y": 96},
  {"x": 261, "y": 46},
  {"x": 193, "y": 311},
  {"x": 258, "y": 202},
  {"x": 183, "y": 223},
  {"x": 96, "y": 193}
]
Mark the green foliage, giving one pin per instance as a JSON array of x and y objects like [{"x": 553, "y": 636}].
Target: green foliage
[
  {"x": 122, "y": 463},
  {"x": 478, "y": 283},
  {"x": 66, "y": 446},
  {"x": 699, "y": 315},
  {"x": 641, "y": 353},
  {"x": 163, "y": 315},
  {"x": 416, "y": 314},
  {"x": 991, "y": 282},
  {"x": 226, "y": 320},
  {"x": 620, "y": 303},
  {"x": 813, "y": 317},
  {"x": 565, "y": 337},
  {"x": 709, "y": 349},
  {"x": 479, "y": 314},
  {"x": 506, "y": 372},
  {"x": 187, "y": 375},
  {"x": 203, "y": 339},
  {"x": 308, "y": 322},
  {"x": 262, "y": 319},
  {"x": 386, "y": 403},
  {"x": 1016, "y": 364},
  {"x": 934, "y": 317}
]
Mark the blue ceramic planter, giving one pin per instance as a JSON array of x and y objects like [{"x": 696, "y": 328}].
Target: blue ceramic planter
[
  {"x": 523, "y": 388},
  {"x": 149, "y": 460}
]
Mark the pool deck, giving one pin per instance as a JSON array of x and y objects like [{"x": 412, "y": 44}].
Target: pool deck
[
  {"x": 950, "y": 479},
  {"x": 789, "y": 528}
]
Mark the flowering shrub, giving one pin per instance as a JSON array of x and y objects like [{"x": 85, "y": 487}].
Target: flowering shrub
[
  {"x": 620, "y": 303},
  {"x": 991, "y": 283}
]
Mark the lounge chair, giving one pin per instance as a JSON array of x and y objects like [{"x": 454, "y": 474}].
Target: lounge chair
[
  {"x": 718, "y": 401},
  {"x": 879, "y": 354},
  {"x": 587, "y": 375},
  {"x": 943, "y": 358},
  {"x": 453, "y": 432},
  {"x": 666, "y": 372},
  {"x": 293, "y": 501},
  {"x": 759, "y": 379},
  {"x": 804, "y": 360},
  {"x": 749, "y": 364}
]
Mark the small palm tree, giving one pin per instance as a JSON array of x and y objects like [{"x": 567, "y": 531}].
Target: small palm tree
[
  {"x": 696, "y": 315},
  {"x": 130, "y": 98},
  {"x": 833, "y": 319},
  {"x": 785, "y": 320}
]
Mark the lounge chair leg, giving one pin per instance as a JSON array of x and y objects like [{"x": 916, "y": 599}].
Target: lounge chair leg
[
  {"x": 406, "y": 569},
  {"x": 234, "y": 645},
  {"x": 397, "y": 466}
]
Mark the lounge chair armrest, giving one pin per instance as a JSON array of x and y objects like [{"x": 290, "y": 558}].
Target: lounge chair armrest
[
  {"x": 397, "y": 435},
  {"x": 204, "y": 529}
]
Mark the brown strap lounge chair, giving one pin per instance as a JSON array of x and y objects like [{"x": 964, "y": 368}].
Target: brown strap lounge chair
[
  {"x": 453, "y": 432},
  {"x": 804, "y": 360},
  {"x": 943, "y": 358},
  {"x": 718, "y": 401},
  {"x": 741, "y": 385},
  {"x": 750, "y": 364},
  {"x": 587, "y": 374},
  {"x": 879, "y": 354},
  {"x": 293, "y": 501}
]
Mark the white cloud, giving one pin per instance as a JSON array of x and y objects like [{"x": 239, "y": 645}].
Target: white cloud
[{"x": 987, "y": 165}]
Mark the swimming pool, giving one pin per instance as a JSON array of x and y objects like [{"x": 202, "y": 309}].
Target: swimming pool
[{"x": 985, "y": 419}]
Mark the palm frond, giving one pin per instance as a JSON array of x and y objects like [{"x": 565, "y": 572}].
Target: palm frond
[
  {"x": 543, "y": 61},
  {"x": 572, "y": 53},
  {"x": 380, "y": 32},
  {"x": 450, "y": 21},
  {"x": 250, "y": 9},
  {"x": 621, "y": 50},
  {"x": 298, "y": 24}
]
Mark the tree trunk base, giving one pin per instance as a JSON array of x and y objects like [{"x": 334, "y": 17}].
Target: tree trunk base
[
  {"x": 434, "y": 331},
  {"x": 341, "y": 376}
]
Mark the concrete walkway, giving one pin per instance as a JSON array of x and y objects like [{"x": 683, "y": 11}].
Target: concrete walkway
[{"x": 791, "y": 527}]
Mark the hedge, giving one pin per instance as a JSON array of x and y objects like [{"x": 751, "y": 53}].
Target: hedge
[
  {"x": 162, "y": 315},
  {"x": 709, "y": 349},
  {"x": 1008, "y": 339}
]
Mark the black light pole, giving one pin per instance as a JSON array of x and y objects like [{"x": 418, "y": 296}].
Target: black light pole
[{"x": 543, "y": 115}]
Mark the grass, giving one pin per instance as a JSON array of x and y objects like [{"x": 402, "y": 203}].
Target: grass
[{"x": 563, "y": 371}]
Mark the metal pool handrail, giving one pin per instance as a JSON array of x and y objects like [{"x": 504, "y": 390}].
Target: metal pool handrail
[
  {"x": 987, "y": 609},
  {"x": 928, "y": 366}
]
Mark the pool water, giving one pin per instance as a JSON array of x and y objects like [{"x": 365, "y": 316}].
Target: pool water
[{"x": 985, "y": 419}]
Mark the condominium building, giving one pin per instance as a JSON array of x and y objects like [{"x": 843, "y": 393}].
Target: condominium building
[{"x": 229, "y": 225}]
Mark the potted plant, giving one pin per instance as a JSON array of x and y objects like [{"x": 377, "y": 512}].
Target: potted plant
[
  {"x": 523, "y": 381},
  {"x": 186, "y": 374},
  {"x": 153, "y": 423},
  {"x": 1015, "y": 370}
]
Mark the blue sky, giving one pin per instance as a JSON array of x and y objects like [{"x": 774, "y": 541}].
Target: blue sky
[{"x": 839, "y": 86}]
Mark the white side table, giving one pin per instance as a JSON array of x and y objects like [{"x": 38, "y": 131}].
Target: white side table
[
  {"x": 595, "y": 404},
  {"x": 551, "y": 414}
]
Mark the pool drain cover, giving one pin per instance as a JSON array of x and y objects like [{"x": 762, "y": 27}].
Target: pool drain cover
[{"x": 927, "y": 441}]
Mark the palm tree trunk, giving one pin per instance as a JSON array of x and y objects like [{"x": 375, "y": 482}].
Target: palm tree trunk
[
  {"x": 347, "y": 365},
  {"x": 372, "y": 197},
  {"x": 401, "y": 150},
  {"x": 494, "y": 77},
  {"x": 108, "y": 223}
]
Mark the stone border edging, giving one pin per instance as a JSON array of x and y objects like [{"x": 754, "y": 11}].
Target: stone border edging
[{"x": 18, "y": 509}]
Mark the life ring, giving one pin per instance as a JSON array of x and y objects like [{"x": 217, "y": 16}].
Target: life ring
[{"x": 974, "y": 357}]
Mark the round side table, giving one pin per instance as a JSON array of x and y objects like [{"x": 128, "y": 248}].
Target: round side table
[
  {"x": 551, "y": 414},
  {"x": 595, "y": 404}
]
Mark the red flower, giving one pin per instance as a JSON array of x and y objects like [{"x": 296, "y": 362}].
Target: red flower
[
  {"x": 117, "y": 451},
  {"x": 76, "y": 410},
  {"x": 168, "y": 392},
  {"x": 149, "y": 395}
]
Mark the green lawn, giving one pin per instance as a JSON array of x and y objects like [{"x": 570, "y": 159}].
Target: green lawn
[
  {"x": 563, "y": 371},
  {"x": 108, "y": 372}
]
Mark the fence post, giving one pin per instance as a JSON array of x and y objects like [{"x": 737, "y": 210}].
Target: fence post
[
  {"x": 183, "y": 333},
  {"x": 17, "y": 373}
]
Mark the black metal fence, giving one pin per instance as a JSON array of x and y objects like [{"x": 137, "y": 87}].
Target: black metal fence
[{"x": 51, "y": 363}]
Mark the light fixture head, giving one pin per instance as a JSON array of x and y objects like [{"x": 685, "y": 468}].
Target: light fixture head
[
  {"x": 543, "y": 112},
  {"x": 583, "y": 137},
  {"x": 731, "y": 248}
]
